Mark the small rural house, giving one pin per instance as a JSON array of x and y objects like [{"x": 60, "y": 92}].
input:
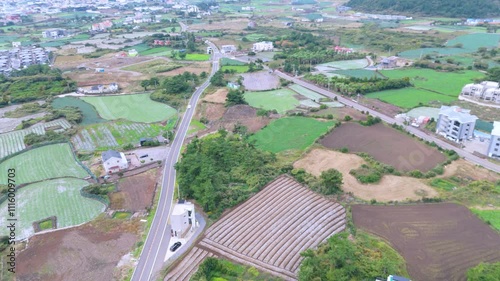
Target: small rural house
[
  {"x": 227, "y": 49},
  {"x": 263, "y": 46},
  {"x": 114, "y": 161},
  {"x": 455, "y": 123},
  {"x": 183, "y": 218},
  {"x": 494, "y": 147}
]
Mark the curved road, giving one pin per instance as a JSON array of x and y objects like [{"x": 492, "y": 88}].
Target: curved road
[
  {"x": 428, "y": 137},
  {"x": 156, "y": 245}
]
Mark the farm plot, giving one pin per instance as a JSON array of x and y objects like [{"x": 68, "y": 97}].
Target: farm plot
[
  {"x": 438, "y": 241},
  {"x": 137, "y": 108},
  {"x": 306, "y": 92},
  {"x": 390, "y": 188},
  {"x": 189, "y": 265},
  {"x": 197, "y": 57},
  {"x": 46, "y": 162},
  {"x": 60, "y": 198},
  {"x": 153, "y": 67},
  {"x": 386, "y": 145},
  {"x": 270, "y": 234},
  {"x": 281, "y": 100},
  {"x": 290, "y": 133},
  {"x": 260, "y": 81},
  {"x": 111, "y": 135},
  {"x": 135, "y": 193},
  {"x": 410, "y": 97},
  {"x": 343, "y": 64},
  {"x": 13, "y": 142}
]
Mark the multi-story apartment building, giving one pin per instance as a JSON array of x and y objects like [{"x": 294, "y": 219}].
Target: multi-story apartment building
[
  {"x": 494, "y": 147},
  {"x": 455, "y": 123}
]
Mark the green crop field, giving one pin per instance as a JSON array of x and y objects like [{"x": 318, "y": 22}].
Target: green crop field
[
  {"x": 357, "y": 73},
  {"x": 13, "y": 142},
  {"x": 281, "y": 100},
  {"x": 157, "y": 51},
  {"x": 290, "y": 133},
  {"x": 447, "y": 83},
  {"x": 346, "y": 64},
  {"x": 153, "y": 67},
  {"x": 60, "y": 198},
  {"x": 46, "y": 162},
  {"x": 137, "y": 108},
  {"x": 429, "y": 86},
  {"x": 491, "y": 216},
  {"x": 409, "y": 97},
  {"x": 227, "y": 61},
  {"x": 237, "y": 68},
  {"x": 197, "y": 57},
  {"x": 306, "y": 92},
  {"x": 255, "y": 37},
  {"x": 116, "y": 134},
  {"x": 90, "y": 115}
]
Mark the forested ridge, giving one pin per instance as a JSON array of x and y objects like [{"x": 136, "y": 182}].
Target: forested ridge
[{"x": 448, "y": 8}]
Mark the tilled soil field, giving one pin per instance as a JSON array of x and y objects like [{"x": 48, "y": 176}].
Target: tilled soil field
[
  {"x": 438, "y": 241},
  {"x": 386, "y": 145},
  {"x": 88, "y": 252},
  {"x": 135, "y": 193},
  {"x": 270, "y": 234},
  {"x": 260, "y": 81}
]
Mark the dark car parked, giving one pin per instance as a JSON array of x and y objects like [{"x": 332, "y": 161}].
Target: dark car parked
[{"x": 175, "y": 246}]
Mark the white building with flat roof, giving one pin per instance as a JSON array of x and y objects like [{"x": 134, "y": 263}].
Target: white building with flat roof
[
  {"x": 455, "y": 123},
  {"x": 182, "y": 219},
  {"x": 486, "y": 90},
  {"x": 263, "y": 46},
  {"x": 494, "y": 147},
  {"x": 227, "y": 49}
]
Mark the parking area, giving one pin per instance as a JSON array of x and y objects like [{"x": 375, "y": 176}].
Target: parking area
[{"x": 143, "y": 156}]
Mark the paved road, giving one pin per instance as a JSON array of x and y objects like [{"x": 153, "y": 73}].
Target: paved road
[
  {"x": 429, "y": 137},
  {"x": 157, "y": 241}
]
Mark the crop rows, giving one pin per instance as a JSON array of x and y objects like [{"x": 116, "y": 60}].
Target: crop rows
[
  {"x": 189, "y": 265},
  {"x": 13, "y": 142},
  {"x": 270, "y": 230}
]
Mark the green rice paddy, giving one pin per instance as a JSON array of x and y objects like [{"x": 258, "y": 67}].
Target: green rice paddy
[{"x": 137, "y": 108}]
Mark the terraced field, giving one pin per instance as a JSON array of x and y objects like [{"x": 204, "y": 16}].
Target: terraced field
[
  {"x": 270, "y": 234},
  {"x": 13, "y": 142},
  {"x": 46, "y": 162}
]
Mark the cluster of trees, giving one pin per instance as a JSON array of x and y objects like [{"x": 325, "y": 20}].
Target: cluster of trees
[
  {"x": 218, "y": 79},
  {"x": 493, "y": 74},
  {"x": 344, "y": 257},
  {"x": 328, "y": 183},
  {"x": 448, "y": 65},
  {"x": 370, "y": 120},
  {"x": 72, "y": 114},
  {"x": 353, "y": 85},
  {"x": 222, "y": 171},
  {"x": 32, "y": 83},
  {"x": 484, "y": 272},
  {"x": 235, "y": 97},
  {"x": 173, "y": 89},
  {"x": 447, "y": 8},
  {"x": 32, "y": 138}
]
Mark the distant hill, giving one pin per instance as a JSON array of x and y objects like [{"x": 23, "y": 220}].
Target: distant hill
[{"x": 447, "y": 8}]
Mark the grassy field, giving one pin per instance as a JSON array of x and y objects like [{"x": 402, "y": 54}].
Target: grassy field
[
  {"x": 290, "y": 133},
  {"x": 237, "y": 68},
  {"x": 228, "y": 61},
  {"x": 489, "y": 216},
  {"x": 346, "y": 64},
  {"x": 281, "y": 100},
  {"x": 153, "y": 67},
  {"x": 157, "y": 51},
  {"x": 429, "y": 85},
  {"x": 60, "y": 198},
  {"x": 197, "y": 57},
  {"x": 357, "y": 73},
  {"x": 137, "y": 108},
  {"x": 195, "y": 126},
  {"x": 50, "y": 161},
  {"x": 116, "y": 134},
  {"x": 409, "y": 97}
]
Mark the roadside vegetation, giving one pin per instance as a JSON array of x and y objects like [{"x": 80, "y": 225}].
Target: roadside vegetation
[{"x": 221, "y": 269}]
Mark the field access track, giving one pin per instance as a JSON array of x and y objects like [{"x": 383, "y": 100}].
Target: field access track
[
  {"x": 271, "y": 229},
  {"x": 438, "y": 241}
]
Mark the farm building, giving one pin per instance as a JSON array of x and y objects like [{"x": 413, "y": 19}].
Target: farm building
[
  {"x": 99, "y": 89},
  {"x": 494, "y": 148},
  {"x": 262, "y": 46},
  {"x": 455, "y": 123},
  {"x": 54, "y": 33},
  {"x": 486, "y": 90},
  {"x": 114, "y": 161},
  {"x": 210, "y": 50},
  {"x": 227, "y": 49},
  {"x": 182, "y": 219},
  {"x": 102, "y": 26}
]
